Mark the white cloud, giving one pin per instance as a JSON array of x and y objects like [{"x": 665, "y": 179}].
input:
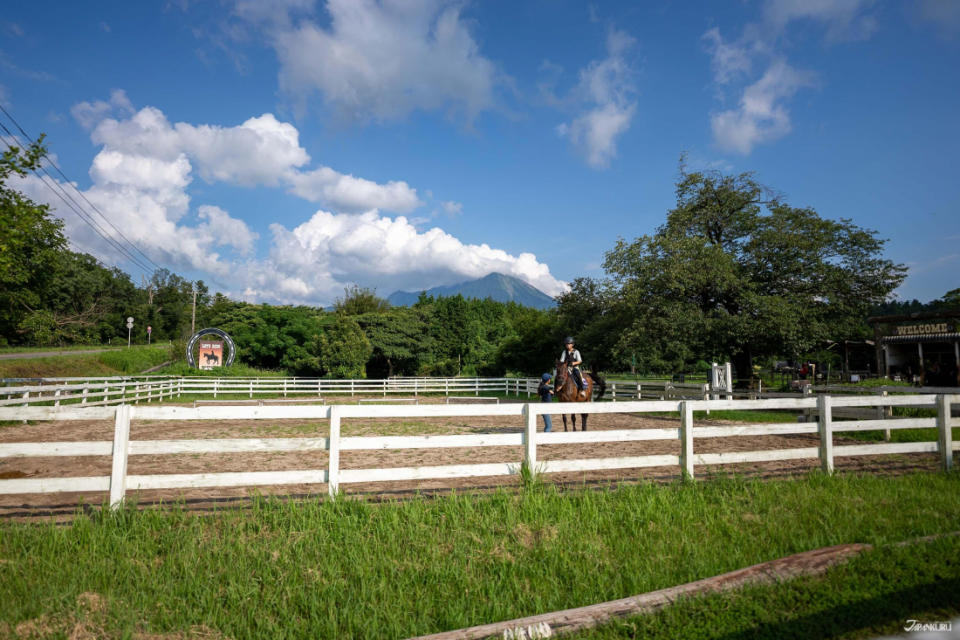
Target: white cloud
[
  {"x": 843, "y": 19},
  {"x": 452, "y": 208},
  {"x": 90, "y": 113},
  {"x": 331, "y": 250},
  {"x": 352, "y": 194},
  {"x": 260, "y": 151},
  {"x": 761, "y": 116},
  {"x": 609, "y": 86},
  {"x": 142, "y": 174},
  {"x": 730, "y": 61},
  {"x": 223, "y": 230},
  {"x": 381, "y": 59}
]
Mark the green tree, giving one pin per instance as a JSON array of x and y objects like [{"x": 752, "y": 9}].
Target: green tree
[
  {"x": 735, "y": 272},
  {"x": 357, "y": 300},
  {"x": 397, "y": 340},
  {"x": 30, "y": 243},
  {"x": 344, "y": 349}
]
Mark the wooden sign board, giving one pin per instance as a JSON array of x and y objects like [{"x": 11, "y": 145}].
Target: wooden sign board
[{"x": 210, "y": 354}]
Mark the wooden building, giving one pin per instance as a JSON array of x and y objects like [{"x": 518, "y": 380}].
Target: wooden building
[{"x": 919, "y": 347}]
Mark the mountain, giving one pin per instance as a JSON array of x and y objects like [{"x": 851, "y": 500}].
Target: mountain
[{"x": 496, "y": 286}]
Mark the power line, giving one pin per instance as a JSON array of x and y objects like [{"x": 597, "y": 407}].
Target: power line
[
  {"x": 70, "y": 182},
  {"x": 78, "y": 209},
  {"x": 81, "y": 214}
]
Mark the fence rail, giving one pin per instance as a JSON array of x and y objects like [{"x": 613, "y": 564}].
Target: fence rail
[{"x": 119, "y": 482}]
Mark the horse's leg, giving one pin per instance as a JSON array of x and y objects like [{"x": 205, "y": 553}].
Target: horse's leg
[
  {"x": 583, "y": 421},
  {"x": 564, "y": 416},
  {"x": 573, "y": 419}
]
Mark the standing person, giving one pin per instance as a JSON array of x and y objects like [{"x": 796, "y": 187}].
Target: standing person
[
  {"x": 572, "y": 357},
  {"x": 545, "y": 390}
]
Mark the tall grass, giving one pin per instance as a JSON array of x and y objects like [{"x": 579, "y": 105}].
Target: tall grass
[{"x": 286, "y": 569}]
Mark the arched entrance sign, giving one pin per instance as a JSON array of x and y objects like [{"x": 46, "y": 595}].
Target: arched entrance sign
[{"x": 227, "y": 342}]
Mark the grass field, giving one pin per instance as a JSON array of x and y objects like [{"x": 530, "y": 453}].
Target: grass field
[
  {"x": 107, "y": 363},
  {"x": 317, "y": 569}
]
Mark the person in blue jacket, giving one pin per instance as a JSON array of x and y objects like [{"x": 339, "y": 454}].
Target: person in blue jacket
[{"x": 545, "y": 390}]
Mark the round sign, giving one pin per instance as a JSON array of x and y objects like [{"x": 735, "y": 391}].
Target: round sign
[
  {"x": 149, "y": 328},
  {"x": 130, "y": 320},
  {"x": 129, "y": 325},
  {"x": 231, "y": 348}
]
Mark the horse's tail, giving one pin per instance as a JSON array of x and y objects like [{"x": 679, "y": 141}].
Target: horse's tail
[{"x": 600, "y": 383}]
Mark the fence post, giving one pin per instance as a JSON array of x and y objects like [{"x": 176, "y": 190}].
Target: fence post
[
  {"x": 333, "y": 469},
  {"x": 86, "y": 388},
  {"x": 945, "y": 433},
  {"x": 530, "y": 440},
  {"x": 824, "y": 414},
  {"x": 882, "y": 415},
  {"x": 56, "y": 395},
  {"x": 729, "y": 381},
  {"x": 686, "y": 439},
  {"x": 613, "y": 391},
  {"x": 121, "y": 447},
  {"x": 476, "y": 386}
]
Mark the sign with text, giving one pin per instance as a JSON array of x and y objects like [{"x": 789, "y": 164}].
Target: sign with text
[
  {"x": 923, "y": 329},
  {"x": 210, "y": 354}
]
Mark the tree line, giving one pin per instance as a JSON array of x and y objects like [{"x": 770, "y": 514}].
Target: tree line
[{"x": 734, "y": 273}]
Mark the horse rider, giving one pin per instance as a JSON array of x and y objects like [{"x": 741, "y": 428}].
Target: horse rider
[{"x": 572, "y": 357}]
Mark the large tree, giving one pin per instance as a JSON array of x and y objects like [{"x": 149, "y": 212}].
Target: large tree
[
  {"x": 736, "y": 272},
  {"x": 30, "y": 243}
]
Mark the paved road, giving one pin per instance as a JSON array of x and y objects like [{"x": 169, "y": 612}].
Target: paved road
[{"x": 49, "y": 354}]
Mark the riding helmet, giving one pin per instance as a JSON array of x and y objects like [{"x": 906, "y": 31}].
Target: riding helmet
[{"x": 568, "y": 340}]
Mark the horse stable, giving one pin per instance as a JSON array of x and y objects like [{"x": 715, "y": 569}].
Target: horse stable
[{"x": 919, "y": 347}]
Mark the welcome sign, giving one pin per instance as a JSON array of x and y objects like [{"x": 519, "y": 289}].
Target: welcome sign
[{"x": 924, "y": 329}]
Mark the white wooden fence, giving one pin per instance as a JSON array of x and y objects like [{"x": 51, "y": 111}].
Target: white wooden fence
[
  {"x": 108, "y": 391},
  {"x": 119, "y": 481}
]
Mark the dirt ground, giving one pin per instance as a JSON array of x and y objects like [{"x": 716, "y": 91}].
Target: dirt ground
[{"x": 64, "y": 505}]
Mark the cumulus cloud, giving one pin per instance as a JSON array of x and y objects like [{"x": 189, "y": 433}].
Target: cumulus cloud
[
  {"x": 352, "y": 194},
  {"x": 761, "y": 115},
  {"x": 330, "y": 250},
  {"x": 608, "y": 86},
  {"x": 260, "y": 151},
  {"x": 141, "y": 179},
  {"x": 381, "y": 59}
]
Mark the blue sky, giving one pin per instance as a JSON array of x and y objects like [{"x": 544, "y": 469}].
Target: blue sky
[{"x": 284, "y": 150}]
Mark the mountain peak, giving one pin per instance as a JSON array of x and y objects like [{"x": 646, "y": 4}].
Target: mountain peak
[{"x": 496, "y": 286}]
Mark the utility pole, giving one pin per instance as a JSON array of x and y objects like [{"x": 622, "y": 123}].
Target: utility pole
[{"x": 193, "y": 317}]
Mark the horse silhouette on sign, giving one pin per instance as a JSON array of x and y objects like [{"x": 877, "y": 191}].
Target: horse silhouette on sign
[
  {"x": 211, "y": 357},
  {"x": 566, "y": 391}
]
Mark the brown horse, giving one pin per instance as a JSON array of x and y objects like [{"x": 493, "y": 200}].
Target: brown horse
[{"x": 566, "y": 391}]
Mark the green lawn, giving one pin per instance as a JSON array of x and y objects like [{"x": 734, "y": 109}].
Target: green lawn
[
  {"x": 873, "y": 595},
  {"x": 107, "y": 363},
  {"x": 319, "y": 569}
]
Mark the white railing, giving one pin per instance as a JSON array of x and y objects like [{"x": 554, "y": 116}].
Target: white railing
[
  {"x": 119, "y": 482},
  {"x": 109, "y": 391},
  {"x": 656, "y": 390}
]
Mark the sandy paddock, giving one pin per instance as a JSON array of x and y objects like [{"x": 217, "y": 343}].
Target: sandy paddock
[{"x": 63, "y": 505}]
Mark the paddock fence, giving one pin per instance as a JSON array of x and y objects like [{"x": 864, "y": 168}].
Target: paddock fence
[
  {"x": 119, "y": 482},
  {"x": 94, "y": 392}
]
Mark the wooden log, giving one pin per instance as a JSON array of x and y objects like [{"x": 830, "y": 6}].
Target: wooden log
[{"x": 571, "y": 620}]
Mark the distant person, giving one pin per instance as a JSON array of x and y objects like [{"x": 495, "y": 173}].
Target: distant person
[
  {"x": 545, "y": 390},
  {"x": 571, "y": 356}
]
